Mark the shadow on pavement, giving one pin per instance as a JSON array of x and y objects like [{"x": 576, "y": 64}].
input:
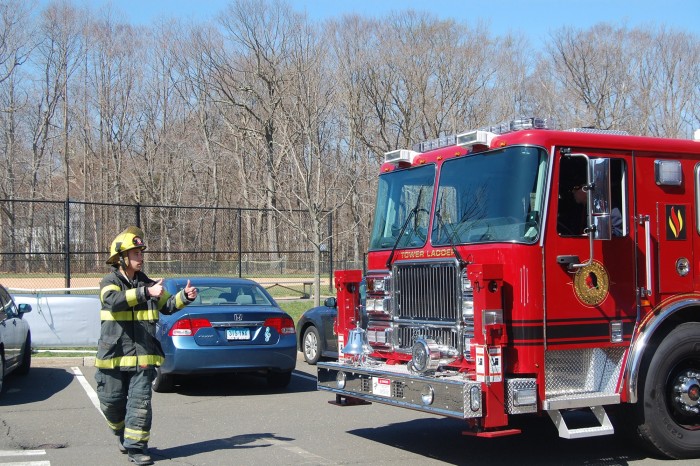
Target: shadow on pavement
[
  {"x": 538, "y": 444},
  {"x": 240, "y": 385},
  {"x": 259, "y": 440},
  {"x": 40, "y": 384}
]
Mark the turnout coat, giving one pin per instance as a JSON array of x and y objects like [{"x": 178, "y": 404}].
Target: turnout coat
[{"x": 128, "y": 322}]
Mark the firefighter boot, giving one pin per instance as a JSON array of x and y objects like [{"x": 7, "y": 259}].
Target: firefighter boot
[
  {"x": 120, "y": 445},
  {"x": 139, "y": 456}
]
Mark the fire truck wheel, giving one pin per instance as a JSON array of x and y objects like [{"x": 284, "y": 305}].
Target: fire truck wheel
[
  {"x": 310, "y": 345},
  {"x": 670, "y": 422}
]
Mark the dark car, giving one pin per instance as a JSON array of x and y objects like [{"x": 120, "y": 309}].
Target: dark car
[
  {"x": 316, "y": 329},
  {"x": 15, "y": 337},
  {"x": 316, "y": 332},
  {"x": 233, "y": 326}
]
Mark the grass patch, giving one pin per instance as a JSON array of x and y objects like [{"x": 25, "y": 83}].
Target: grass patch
[
  {"x": 296, "y": 308},
  {"x": 63, "y": 352}
]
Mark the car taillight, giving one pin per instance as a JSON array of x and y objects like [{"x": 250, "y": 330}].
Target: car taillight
[
  {"x": 188, "y": 326},
  {"x": 283, "y": 325}
]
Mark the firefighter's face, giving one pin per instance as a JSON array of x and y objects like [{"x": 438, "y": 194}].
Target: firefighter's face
[{"x": 134, "y": 259}]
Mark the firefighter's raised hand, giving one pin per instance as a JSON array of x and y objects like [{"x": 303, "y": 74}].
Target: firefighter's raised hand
[
  {"x": 190, "y": 291},
  {"x": 156, "y": 290}
]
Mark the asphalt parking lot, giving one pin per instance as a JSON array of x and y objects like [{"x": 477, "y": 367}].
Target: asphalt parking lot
[{"x": 49, "y": 418}]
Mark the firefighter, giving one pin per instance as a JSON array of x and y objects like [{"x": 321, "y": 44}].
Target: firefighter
[{"x": 128, "y": 352}]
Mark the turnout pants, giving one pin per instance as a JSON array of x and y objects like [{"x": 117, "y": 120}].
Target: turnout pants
[{"x": 125, "y": 400}]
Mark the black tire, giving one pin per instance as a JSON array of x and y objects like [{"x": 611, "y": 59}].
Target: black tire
[
  {"x": 2, "y": 370},
  {"x": 23, "y": 368},
  {"x": 279, "y": 379},
  {"x": 311, "y": 345},
  {"x": 163, "y": 383},
  {"x": 671, "y": 384}
]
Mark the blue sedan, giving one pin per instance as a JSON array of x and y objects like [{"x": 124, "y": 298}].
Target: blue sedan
[{"x": 234, "y": 325}]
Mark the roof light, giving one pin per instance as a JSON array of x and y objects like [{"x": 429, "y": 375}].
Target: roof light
[
  {"x": 520, "y": 123},
  {"x": 473, "y": 138},
  {"x": 668, "y": 172},
  {"x": 433, "y": 144},
  {"x": 400, "y": 155}
]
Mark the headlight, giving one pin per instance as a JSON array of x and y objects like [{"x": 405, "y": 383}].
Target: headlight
[
  {"x": 378, "y": 284},
  {"x": 375, "y": 305}
]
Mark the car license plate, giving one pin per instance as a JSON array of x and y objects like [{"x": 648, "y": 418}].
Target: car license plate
[
  {"x": 381, "y": 386},
  {"x": 238, "y": 334}
]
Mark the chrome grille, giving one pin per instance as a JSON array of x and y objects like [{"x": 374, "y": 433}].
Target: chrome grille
[
  {"x": 443, "y": 336},
  {"x": 427, "y": 291}
]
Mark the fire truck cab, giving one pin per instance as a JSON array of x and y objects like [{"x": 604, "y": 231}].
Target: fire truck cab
[{"x": 522, "y": 270}]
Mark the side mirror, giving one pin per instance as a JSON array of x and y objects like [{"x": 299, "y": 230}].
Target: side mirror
[
  {"x": 600, "y": 198},
  {"x": 330, "y": 302},
  {"x": 24, "y": 308}
]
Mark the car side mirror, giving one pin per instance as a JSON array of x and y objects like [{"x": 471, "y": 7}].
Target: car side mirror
[
  {"x": 330, "y": 302},
  {"x": 24, "y": 308}
]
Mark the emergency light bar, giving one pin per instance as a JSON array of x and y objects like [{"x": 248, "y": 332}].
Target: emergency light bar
[
  {"x": 482, "y": 136},
  {"x": 473, "y": 138},
  {"x": 433, "y": 144},
  {"x": 400, "y": 155},
  {"x": 520, "y": 124}
]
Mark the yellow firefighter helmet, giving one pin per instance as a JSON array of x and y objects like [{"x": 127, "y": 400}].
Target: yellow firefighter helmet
[{"x": 128, "y": 239}]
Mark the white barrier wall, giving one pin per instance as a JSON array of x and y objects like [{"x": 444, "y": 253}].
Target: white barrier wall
[{"x": 63, "y": 320}]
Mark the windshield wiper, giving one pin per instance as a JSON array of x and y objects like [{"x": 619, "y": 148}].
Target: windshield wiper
[
  {"x": 450, "y": 236},
  {"x": 410, "y": 215}
]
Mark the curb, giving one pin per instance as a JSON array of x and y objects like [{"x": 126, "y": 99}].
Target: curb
[{"x": 63, "y": 362}]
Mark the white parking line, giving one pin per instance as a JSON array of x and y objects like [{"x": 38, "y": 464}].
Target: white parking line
[
  {"x": 88, "y": 389},
  {"x": 28, "y": 463},
  {"x": 22, "y": 452},
  {"x": 308, "y": 456}
]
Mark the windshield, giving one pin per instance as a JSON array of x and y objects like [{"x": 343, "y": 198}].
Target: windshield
[
  {"x": 491, "y": 196},
  {"x": 403, "y": 200}
]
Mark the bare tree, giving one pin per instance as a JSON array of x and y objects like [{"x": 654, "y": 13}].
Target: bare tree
[
  {"x": 594, "y": 67},
  {"x": 250, "y": 73}
]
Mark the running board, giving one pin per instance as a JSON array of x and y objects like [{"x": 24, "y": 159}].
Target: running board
[{"x": 605, "y": 427}]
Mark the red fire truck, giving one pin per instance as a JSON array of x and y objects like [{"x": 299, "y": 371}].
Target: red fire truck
[{"x": 524, "y": 270}]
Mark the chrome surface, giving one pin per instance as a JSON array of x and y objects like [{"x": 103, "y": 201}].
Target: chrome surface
[
  {"x": 640, "y": 342},
  {"x": 427, "y": 298},
  {"x": 453, "y": 395},
  {"x": 582, "y": 373},
  {"x": 521, "y": 396}
]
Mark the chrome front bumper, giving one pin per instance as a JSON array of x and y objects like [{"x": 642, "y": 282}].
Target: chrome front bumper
[{"x": 446, "y": 395}]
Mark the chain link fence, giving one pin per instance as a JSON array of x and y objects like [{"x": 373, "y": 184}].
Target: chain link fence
[{"x": 49, "y": 244}]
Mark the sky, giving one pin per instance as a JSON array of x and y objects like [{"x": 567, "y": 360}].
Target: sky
[{"x": 533, "y": 18}]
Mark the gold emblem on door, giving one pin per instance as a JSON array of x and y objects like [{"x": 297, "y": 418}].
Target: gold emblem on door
[{"x": 591, "y": 284}]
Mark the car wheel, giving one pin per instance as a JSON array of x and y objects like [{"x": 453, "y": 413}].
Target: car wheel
[
  {"x": 163, "y": 383},
  {"x": 23, "y": 368},
  {"x": 668, "y": 419},
  {"x": 279, "y": 379},
  {"x": 310, "y": 345}
]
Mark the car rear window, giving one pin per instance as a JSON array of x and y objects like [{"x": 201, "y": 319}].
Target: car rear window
[{"x": 233, "y": 295}]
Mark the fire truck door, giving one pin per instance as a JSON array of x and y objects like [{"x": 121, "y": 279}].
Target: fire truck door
[
  {"x": 664, "y": 229},
  {"x": 595, "y": 305}
]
